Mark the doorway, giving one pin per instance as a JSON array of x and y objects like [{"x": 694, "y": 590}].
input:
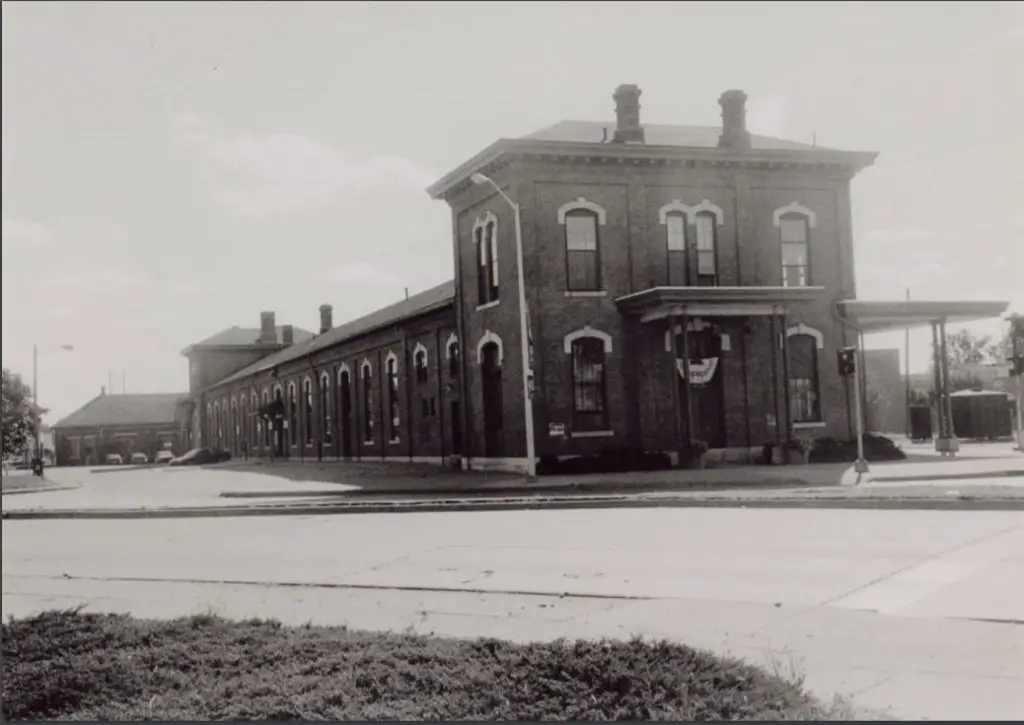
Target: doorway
[
  {"x": 456, "y": 423},
  {"x": 707, "y": 397},
  {"x": 345, "y": 414},
  {"x": 494, "y": 438}
]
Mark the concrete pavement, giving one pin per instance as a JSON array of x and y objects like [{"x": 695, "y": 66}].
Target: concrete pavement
[{"x": 910, "y": 611}]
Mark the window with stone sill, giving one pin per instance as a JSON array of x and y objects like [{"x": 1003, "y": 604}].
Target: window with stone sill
[
  {"x": 420, "y": 364},
  {"x": 485, "y": 238},
  {"x": 582, "y": 251},
  {"x": 675, "y": 249},
  {"x": 794, "y": 239},
  {"x": 392, "y": 382},
  {"x": 325, "y": 408},
  {"x": 366, "y": 378},
  {"x": 706, "y": 227},
  {"x": 804, "y": 394},
  {"x": 590, "y": 410},
  {"x": 307, "y": 398}
]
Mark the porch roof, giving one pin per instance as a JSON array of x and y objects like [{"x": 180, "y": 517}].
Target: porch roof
[
  {"x": 659, "y": 302},
  {"x": 880, "y": 316}
]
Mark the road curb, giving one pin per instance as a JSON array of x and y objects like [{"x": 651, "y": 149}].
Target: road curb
[
  {"x": 524, "y": 504},
  {"x": 48, "y": 489}
]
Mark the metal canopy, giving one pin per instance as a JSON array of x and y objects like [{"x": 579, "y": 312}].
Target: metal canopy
[
  {"x": 874, "y": 316},
  {"x": 660, "y": 302}
]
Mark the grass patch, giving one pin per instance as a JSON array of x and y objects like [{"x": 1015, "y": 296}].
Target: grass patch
[
  {"x": 71, "y": 665},
  {"x": 24, "y": 481}
]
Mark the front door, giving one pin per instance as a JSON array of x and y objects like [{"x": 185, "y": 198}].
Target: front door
[
  {"x": 706, "y": 387},
  {"x": 493, "y": 404},
  {"x": 456, "y": 423}
]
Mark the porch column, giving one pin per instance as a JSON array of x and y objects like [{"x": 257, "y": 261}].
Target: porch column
[
  {"x": 785, "y": 379},
  {"x": 684, "y": 322},
  {"x": 940, "y": 413},
  {"x": 676, "y": 405},
  {"x": 775, "y": 373},
  {"x": 951, "y": 446}
]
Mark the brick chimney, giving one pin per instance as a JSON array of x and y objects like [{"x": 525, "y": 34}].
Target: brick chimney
[
  {"x": 326, "y": 318},
  {"x": 287, "y": 334},
  {"x": 268, "y": 328},
  {"x": 734, "y": 121},
  {"x": 627, "y": 115}
]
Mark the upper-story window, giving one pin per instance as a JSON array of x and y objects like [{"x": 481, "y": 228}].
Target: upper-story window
[
  {"x": 706, "y": 227},
  {"x": 325, "y": 408},
  {"x": 582, "y": 251},
  {"x": 419, "y": 358},
  {"x": 675, "y": 245},
  {"x": 794, "y": 237},
  {"x": 485, "y": 237}
]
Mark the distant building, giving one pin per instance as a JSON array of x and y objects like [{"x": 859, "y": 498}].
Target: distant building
[
  {"x": 125, "y": 424},
  {"x": 886, "y": 394}
]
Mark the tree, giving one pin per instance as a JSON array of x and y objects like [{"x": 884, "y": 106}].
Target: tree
[
  {"x": 20, "y": 416},
  {"x": 966, "y": 348}
]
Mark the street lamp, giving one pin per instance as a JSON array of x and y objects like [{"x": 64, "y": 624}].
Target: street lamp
[
  {"x": 524, "y": 334},
  {"x": 35, "y": 391}
]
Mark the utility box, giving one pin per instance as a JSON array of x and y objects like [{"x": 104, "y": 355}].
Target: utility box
[
  {"x": 920, "y": 423},
  {"x": 982, "y": 414}
]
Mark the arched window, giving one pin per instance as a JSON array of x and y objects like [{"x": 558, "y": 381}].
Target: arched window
[
  {"x": 706, "y": 227},
  {"x": 265, "y": 422},
  {"x": 485, "y": 238},
  {"x": 366, "y": 380},
  {"x": 419, "y": 358},
  {"x": 675, "y": 249},
  {"x": 325, "y": 408},
  {"x": 794, "y": 237},
  {"x": 453, "y": 357},
  {"x": 589, "y": 390},
  {"x": 293, "y": 415},
  {"x": 307, "y": 401},
  {"x": 394, "y": 420},
  {"x": 582, "y": 251},
  {"x": 804, "y": 394},
  {"x": 254, "y": 424},
  {"x": 218, "y": 435},
  {"x": 236, "y": 433}
]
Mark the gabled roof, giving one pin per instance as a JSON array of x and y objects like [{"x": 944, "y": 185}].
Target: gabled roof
[
  {"x": 435, "y": 298},
  {"x": 656, "y": 134},
  {"x": 248, "y": 336},
  {"x": 135, "y": 409}
]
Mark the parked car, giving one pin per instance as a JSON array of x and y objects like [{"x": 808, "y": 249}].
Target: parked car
[
  {"x": 139, "y": 458},
  {"x": 201, "y": 457},
  {"x": 163, "y": 457},
  {"x": 114, "y": 459}
]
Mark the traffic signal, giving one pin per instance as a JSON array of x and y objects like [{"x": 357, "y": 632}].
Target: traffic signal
[{"x": 847, "y": 361}]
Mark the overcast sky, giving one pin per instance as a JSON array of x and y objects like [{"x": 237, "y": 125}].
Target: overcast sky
[{"x": 170, "y": 170}]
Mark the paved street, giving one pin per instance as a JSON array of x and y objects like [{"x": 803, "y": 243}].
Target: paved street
[{"x": 915, "y": 611}]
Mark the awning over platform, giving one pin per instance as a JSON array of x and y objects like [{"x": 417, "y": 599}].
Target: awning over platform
[
  {"x": 659, "y": 302},
  {"x": 871, "y": 316}
]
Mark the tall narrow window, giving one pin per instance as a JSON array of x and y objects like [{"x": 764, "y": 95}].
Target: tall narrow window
[
  {"x": 588, "y": 379},
  {"x": 293, "y": 415},
  {"x": 582, "y": 251},
  {"x": 707, "y": 267},
  {"x": 393, "y": 416},
  {"x": 325, "y": 408},
  {"x": 367, "y": 381},
  {"x": 233, "y": 428},
  {"x": 675, "y": 242},
  {"x": 255, "y": 424},
  {"x": 793, "y": 235},
  {"x": 420, "y": 360},
  {"x": 307, "y": 394},
  {"x": 804, "y": 399},
  {"x": 485, "y": 237},
  {"x": 453, "y": 359},
  {"x": 265, "y": 420}
]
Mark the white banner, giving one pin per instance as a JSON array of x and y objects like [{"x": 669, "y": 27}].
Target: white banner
[{"x": 701, "y": 371}]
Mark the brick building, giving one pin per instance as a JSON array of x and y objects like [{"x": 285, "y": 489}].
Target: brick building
[
  {"x": 631, "y": 235},
  {"x": 124, "y": 424}
]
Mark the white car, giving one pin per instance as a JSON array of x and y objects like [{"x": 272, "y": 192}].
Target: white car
[
  {"x": 114, "y": 459},
  {"x": 163, "y": 456},
  {"x": 139, "y": 458}
]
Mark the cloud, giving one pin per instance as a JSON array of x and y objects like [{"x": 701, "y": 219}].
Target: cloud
[
  {"x": 767, "y": 116},
  {"x": 361, "y": 273},
  {"x": 26, "y": 234},
  {"x": 260, "y": 174},
  {"x": 98, "y": 279}
]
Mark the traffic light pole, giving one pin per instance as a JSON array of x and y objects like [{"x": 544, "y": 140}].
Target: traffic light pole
[{"x": 861, "y": 464}]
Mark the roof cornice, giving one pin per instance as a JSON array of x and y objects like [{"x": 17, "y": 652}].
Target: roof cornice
[{"x": 505, "y": 150}]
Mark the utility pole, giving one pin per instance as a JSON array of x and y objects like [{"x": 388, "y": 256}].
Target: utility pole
[{"x": 906, "y": 374}]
